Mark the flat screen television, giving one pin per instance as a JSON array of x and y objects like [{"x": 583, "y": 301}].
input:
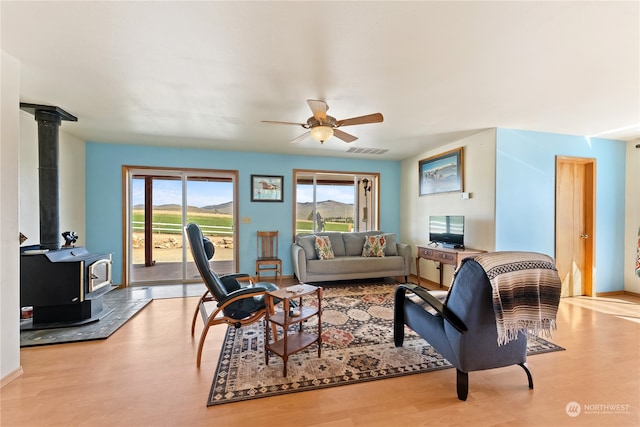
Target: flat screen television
[{"x": 447, "y": 231}]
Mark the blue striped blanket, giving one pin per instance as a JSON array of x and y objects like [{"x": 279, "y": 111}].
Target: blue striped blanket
[{"x": 526, "y": 292}]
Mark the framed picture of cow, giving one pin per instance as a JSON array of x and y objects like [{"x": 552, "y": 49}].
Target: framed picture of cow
[{"x": 266, "y": 188}]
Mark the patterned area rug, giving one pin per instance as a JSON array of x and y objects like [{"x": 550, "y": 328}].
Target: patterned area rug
[{"x": 357, "y": 346}]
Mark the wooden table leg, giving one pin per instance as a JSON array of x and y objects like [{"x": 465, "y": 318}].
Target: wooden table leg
[{"x": 274, "y": 327}]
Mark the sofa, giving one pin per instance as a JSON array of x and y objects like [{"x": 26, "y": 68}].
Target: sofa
[{"x": 331, "y": 256}]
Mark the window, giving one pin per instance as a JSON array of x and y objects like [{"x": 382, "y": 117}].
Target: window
[{"x": 335, "y": 201}]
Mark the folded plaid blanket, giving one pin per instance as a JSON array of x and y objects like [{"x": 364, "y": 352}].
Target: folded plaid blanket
[{"x": 526, "y": 292}]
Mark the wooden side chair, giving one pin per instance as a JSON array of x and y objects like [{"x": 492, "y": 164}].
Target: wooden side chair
[{"x": 267, "y": 255}]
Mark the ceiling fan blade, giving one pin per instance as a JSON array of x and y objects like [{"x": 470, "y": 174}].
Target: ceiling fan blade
[
  {"x": 344, "y": 136},
  {"x": 284, "y": 123},
  {"x": 299, "y": 138},
  {"x": 362, "y": 120},
  {"x": 319, "y": 109}
]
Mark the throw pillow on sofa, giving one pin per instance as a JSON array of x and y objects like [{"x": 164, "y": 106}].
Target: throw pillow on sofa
[
  {"x": 374, "y": 246},
  {"x": 323, "y": 247},
  {"x": 392, "y": 249},
  {"x": 307, "y": 242}
]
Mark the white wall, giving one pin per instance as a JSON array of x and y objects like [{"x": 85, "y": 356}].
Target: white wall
[
  {"x": 19, "y": 211},
  {"x": 9, "y": 230},
  {"x": 632, "y": 216},
  {"x": 479, "y": 210},
  {"x": 29, "y": 205},
  {"x": 71, "y": 175}
]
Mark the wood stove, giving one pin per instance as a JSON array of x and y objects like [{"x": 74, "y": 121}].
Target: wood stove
[{"x": 62, "y": 285}]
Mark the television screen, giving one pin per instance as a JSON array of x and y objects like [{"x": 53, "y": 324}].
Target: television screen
[{"x": 447, "y": 230}]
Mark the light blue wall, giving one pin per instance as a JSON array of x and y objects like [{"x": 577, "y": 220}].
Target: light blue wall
[
  {"x": 525, "y": 196},
  {"x": 104, "y": 192}
]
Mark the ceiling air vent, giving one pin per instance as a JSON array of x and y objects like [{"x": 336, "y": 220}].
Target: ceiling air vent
[{"x": 363, "y": 150}]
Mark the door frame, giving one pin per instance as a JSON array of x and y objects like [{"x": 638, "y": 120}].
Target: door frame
[
  {"x": 588, "y": 198},
  {"x": 126, "y": 219}
]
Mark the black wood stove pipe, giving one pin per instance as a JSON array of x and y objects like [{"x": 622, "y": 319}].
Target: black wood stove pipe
[{"x": 49, "y": 119}]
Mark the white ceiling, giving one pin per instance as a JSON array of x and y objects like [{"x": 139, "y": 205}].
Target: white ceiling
[{"x": 204, "y": 74}]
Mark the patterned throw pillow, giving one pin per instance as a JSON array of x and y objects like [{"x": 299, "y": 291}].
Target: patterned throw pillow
[
  {"x": 374, "y": 246},
  {"x": 323, "y": 247}
]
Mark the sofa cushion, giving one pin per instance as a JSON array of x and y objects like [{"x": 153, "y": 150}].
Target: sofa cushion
[
  {"x": 353, "y": 243},
  {"x": 323, "y": 248},
  {"x": 391, "y": 249},
  {"x": 374, "y": 246},
  {"x": 307, "y": 242},
  {"x": 354, "y": 265}
]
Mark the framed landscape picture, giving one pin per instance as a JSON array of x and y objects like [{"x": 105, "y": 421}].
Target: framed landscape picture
[
  {"x": 266, "y": 188},
  {"x": 442, "y": 173}
]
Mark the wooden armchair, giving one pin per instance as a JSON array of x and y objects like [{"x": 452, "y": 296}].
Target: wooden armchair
[{"x": 239, "y": 301}]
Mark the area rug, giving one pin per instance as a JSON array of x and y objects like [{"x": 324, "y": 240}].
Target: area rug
[
  {"x": 120, "y": 305},
  {"x": 357, "y": 346}
]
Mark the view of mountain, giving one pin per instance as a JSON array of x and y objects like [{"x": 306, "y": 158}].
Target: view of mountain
[
  {"x": 223, "y": 208},
  {"x": 328, "y": 209}
]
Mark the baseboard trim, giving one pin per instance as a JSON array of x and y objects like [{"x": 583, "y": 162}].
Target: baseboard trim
[
  {"x": 11, "y": 376},
  {"x": 614, "y": 293}
]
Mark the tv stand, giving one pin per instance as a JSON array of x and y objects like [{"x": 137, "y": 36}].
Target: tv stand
[
  {"x": 444, "y": 255},
  {"x": 451, "y": 246}
]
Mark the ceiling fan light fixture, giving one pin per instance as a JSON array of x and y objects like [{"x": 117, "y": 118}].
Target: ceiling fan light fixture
[
  {"x": 321, "y": 133},
  {"x": 322, "y": 127}
]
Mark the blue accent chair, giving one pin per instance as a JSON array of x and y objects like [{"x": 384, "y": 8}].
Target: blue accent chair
[{"x": 462, "y": 328}]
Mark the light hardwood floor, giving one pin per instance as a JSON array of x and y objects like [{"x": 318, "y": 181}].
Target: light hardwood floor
[{"x": 145, "y": 375}]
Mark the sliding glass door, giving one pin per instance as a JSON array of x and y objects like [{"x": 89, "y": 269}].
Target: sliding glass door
[{"x": 160, "y": 202}]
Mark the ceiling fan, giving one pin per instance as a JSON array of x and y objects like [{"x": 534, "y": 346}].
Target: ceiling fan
[{"x": 322, "y": 127}]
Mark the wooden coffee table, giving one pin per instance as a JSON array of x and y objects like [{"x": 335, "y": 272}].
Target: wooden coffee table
[{"x": 294, "y": 338}]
